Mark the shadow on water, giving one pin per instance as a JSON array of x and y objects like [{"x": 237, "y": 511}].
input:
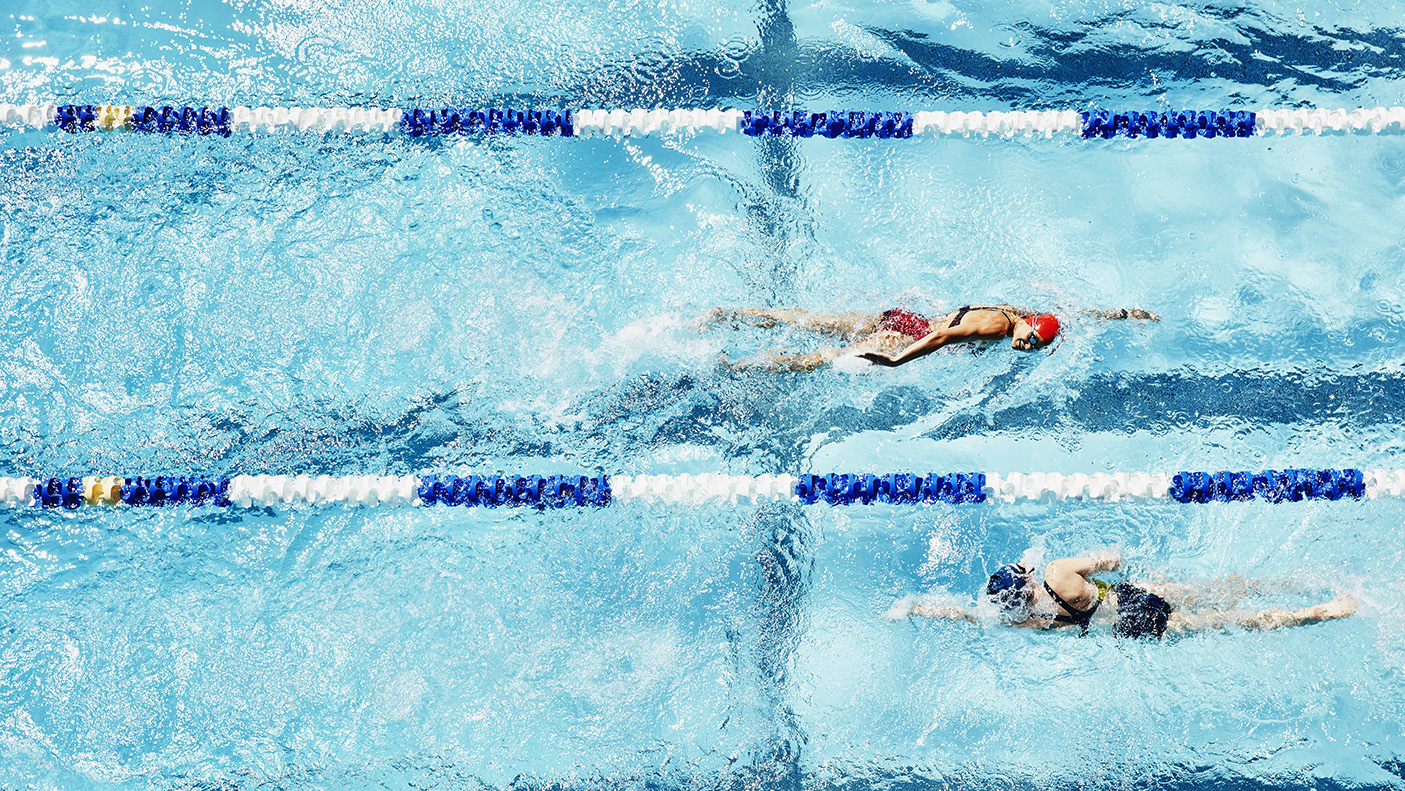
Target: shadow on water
[
  {"x": 1177, "y": 400},
  {"x": 761, "y": 423},
  {"x": 780, "y": 214},
  {"x": 1052, "y": 65},
  {"x": 784, "y": 566},
  {"x": 1263, "y": 58},
  {"x": 441, "y": 772},
  {"x": 764, "y": 421}
]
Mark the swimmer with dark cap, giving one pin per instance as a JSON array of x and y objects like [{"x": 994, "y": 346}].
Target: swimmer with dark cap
[
  {"x": 1069, "y": 597},
  {"x": 899, "y": 336}
]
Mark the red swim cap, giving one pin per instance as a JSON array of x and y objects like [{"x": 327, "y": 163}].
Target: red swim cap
[{"x": 1045, "y": 324}]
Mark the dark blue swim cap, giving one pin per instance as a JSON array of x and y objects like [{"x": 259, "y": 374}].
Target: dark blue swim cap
[{"x": 1008, "y": 587}]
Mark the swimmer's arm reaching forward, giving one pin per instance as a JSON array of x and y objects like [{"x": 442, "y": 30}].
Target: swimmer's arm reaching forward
[
  {"x": 947, "y": 611},
  {"x": 907, "y": 607},
  {"x": 1122, "y": 313}
]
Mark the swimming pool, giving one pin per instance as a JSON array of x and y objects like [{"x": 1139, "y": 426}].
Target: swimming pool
[{"x": 373, "y": 304}]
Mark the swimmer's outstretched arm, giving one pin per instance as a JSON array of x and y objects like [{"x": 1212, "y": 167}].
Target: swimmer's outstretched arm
[
  {"x": 953, "y": 613},
  {"x": 925, "y": 346},
  {"x": 1122, "y": 313},
  {"x": 947, "y": 611}
]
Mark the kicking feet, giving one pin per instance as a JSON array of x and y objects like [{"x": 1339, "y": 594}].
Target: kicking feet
[
  {"x": 901, "y": 609},
  {"x": 733, "y": 317},
  {"x": 1340, "y": 607}
]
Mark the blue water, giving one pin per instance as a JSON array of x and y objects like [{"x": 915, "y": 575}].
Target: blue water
[{"x": 344, "y": 305}]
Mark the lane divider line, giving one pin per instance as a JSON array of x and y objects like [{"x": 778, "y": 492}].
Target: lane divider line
[
  {"x": 639, "y": 122},
  {"x": 579, "y": 491}
]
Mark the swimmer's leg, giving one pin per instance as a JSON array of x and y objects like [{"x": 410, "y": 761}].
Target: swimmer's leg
[
  {"x": 1340, "y": 607},
  {"x": 842, "y": 325},
  {"x": 793, "y": 362},
  {"x": 881, "y": 341},
  {"x": 1225, "y": 592}
]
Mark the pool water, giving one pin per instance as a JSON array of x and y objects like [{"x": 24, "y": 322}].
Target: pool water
[{"x": 365, "y": 304}]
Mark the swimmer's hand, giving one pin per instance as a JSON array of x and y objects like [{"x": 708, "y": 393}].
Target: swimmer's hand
[
  {"x": 879, "y": 358},
  {"x": 1106, "y": 560}
]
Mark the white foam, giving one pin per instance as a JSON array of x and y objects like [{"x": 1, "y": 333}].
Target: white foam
[
  {"x": 853, "y": 364},
  {"x": 665, "y": 337},
  {"x": 901, "y": 609}
]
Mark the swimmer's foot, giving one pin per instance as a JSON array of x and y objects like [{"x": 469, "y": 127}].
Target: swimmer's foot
[
  {"x": 725, "y": 363},
  {"x": 714, "y": 317},
  {"x": 901, "y": 609},
  {"x": 734, "y": 317},
  {"x": 1340, "y": 607}
]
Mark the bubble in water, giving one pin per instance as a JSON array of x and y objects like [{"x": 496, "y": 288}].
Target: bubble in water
[{"x": 1007, "y": 36}]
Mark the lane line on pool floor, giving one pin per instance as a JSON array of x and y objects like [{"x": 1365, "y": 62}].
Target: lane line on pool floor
[
  {"x": 638, "y": 122},
  {"x": 561, "y": 491}
]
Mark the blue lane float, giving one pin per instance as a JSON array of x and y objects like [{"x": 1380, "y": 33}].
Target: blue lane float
[
  {"x": 1186, "y": 124},
  {"x": 56, "y": 493},
  {"x": 833, "y": 124},
  {"x": 1275, "y": 486},
  {"x": 551, "y": 491},
  {"x": 896, "y": 488},
  {"x": 418, "y": 122},
  {"x": 187, "y": 120},
  {"x": 169, "y": 490},
  {"x": 74, "y": 118},
  {"x": 72, "y": 493}
]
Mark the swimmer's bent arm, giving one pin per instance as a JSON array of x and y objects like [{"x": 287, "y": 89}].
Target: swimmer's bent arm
[
  {"x": 921, "y": 348},
  {"x": 1106, "y": 560}
]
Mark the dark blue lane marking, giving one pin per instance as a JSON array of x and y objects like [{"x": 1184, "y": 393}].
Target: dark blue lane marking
[
  {"x": 1274, "y": 486},
  {"x": 844, "y": 489},
  {"x": 1187, "y": 124}
]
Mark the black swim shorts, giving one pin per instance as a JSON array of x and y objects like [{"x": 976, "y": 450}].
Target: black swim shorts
[{"x": 1139, "y": 613}]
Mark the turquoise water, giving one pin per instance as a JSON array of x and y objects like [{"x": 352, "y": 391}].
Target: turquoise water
[{"x": 343, "y": 305}]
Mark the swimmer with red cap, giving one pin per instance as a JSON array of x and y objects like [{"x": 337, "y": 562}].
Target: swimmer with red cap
[{"x": 899, "y": 336}]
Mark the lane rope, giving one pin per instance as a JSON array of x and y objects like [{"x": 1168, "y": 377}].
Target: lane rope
[
  {"x": 578, "y": 491},
  {"x": 639, "y": 122}
]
